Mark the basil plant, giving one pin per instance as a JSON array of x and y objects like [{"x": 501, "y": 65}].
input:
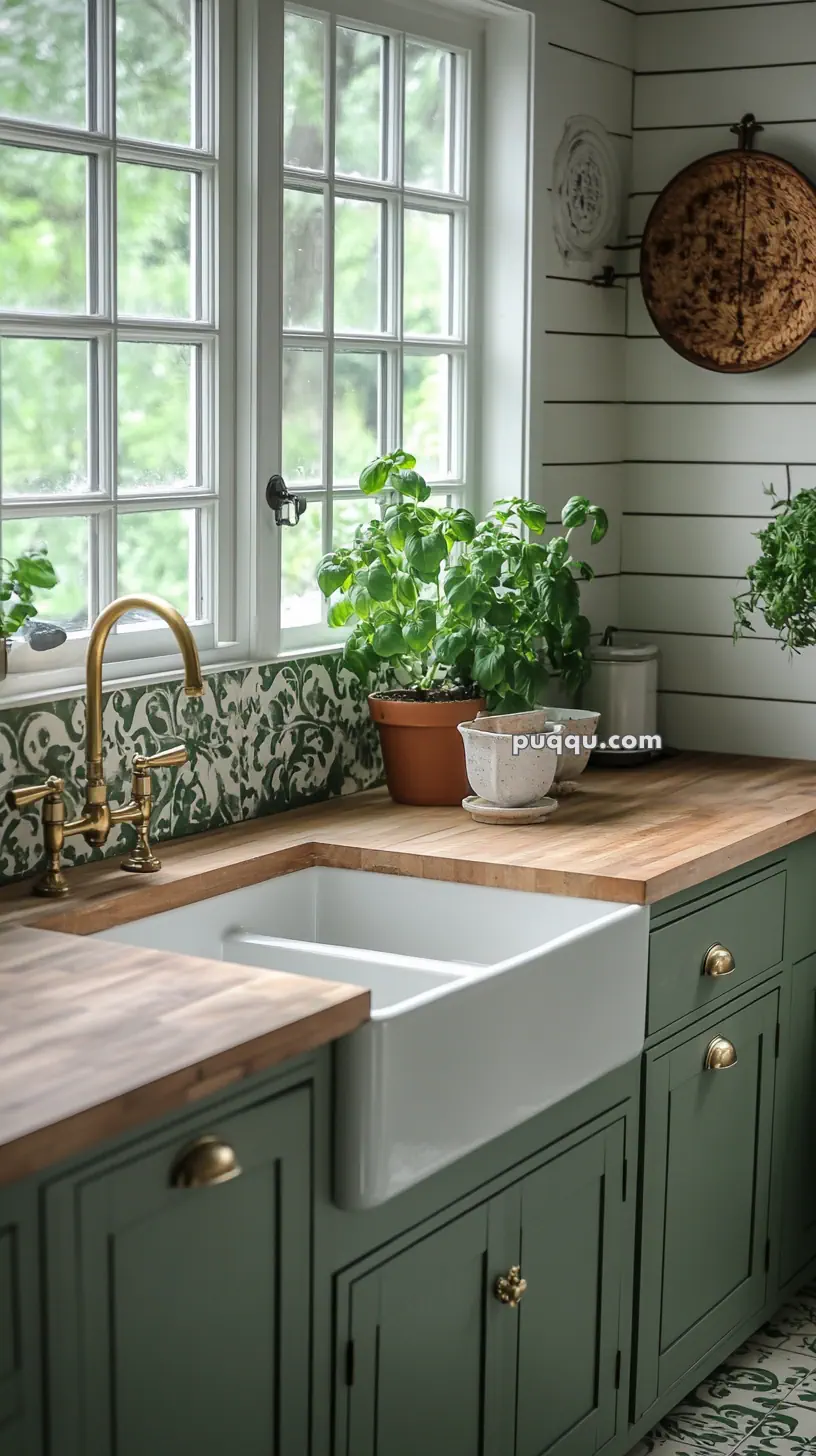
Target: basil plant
[{"x": 460, "y": 607}]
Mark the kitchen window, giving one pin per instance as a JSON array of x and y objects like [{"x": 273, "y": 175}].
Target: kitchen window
[
  {"x": 377, "y": 264},
  {"x": 236, "y": 238},
  {"x": 115, "y": 421}
]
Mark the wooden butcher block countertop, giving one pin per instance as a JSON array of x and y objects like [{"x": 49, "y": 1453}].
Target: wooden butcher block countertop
[{"x": 96, "y": 1038}]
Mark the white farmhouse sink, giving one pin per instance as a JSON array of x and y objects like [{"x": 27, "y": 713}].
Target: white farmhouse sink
[{"x": 488, "y": 1005}]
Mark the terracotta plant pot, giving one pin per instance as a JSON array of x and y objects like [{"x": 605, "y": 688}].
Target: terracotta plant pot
[{"x": 423, "y": 753}]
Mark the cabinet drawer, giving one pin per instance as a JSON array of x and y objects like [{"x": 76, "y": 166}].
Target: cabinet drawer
[{"x": 749, "y": 924}]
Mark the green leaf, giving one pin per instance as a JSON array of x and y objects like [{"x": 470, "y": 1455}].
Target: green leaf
[
  {"x": 587, "y": 572},
  {"x": 600, "y": 524},
  {"x": 387, "y": 640},
  {"x": 530, "y": 679},
  {"x": 405, "y": 589},
  {"x": 340, "y": 613},
  {"x": 361, "y": 600},
  {"x": 374, "y": 476},
  {"x": 409, "y": 483},
  {"x": 577, "y": 634},
  {"x": 558, "y": 550},
  {"x": 452, "y": 647},
  {"x": 425, "y": 554},
  {"x": 33, "y": 569},
  {"x": 534, "y": 517},
  {"x": 462, "y": 526},
  {"x": 20, "y": 613},
  {"x": 355, "y": 661},
  {"x": 333, "y": 575},
  {"x": 377, "y": 582},
  {"x": 500, "y": 614},
  {"x": 491, "y": 561},
  {"x": 488, "y": 666},
  {"x": 419, "y": 630},
  {"x": 403, "y": 460},
  {"x": 575, "y": 512},
  {"x": 460, "y": 588}
]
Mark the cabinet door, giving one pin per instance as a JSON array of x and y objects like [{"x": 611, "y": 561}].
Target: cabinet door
[
  {"x": 433, "y": 1352},
  {"x": 178, "y": 1317},
  {"x": 20, "y": 1363},
  {"x": 706, "y": 1166},
  {"x": 799, "y": 1209},
  {"x": 572, "y": 1232}
]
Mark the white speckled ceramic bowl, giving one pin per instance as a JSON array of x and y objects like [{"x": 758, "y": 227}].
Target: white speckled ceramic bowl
[
  {"x": 495, "y": 772},
  {"x": 573, "y": 722}
]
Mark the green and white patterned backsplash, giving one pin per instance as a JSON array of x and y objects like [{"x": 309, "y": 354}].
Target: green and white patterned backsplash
[{"x": 262, "y": 739}]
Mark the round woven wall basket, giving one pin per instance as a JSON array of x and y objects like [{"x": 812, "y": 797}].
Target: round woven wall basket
[{"x": 728, "y": 262}]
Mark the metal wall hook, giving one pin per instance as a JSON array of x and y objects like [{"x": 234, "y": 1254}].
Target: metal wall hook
[
  {"x": 747, "y": 131},
  {"x": 286, "y": 507}
]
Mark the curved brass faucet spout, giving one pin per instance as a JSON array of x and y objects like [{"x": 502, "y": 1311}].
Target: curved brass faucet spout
[{"x": 193, "y": 685}]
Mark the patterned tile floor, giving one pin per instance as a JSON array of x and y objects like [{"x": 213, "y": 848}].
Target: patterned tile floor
[{"x": 761, "y": 1402}]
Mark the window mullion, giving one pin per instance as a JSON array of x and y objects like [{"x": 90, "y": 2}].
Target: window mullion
[{"x": 328, "y": 320}]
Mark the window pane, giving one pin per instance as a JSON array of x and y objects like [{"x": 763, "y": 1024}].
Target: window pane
[
  {"x": 426, "y": 300},
  {"x": 42, "y": 230},
  {"x": 43, "y": 416},
  {"x": 359, "y": 123},
  {"x": 301, "y": 550},
  {"x": 304, "y": 86},
  {"x": 426, "y": 411},
  {"x": 66, "y": 538},
  {"x": 42, "y": 61},
  {"x": 155, "y": 209},
  {"x": 349, "y": 512},
  {"x": 302, "y": 416},
  {"x": 158, "y": 553},
  {"x": 157, "y": 420},
  {"x": 428, "y": 117},
  {"x": 154, "y": 70},
  {"x": 303, "y": 229},
  {"x": 359, "y": 250},
  {"x": 357, "y": 413}
]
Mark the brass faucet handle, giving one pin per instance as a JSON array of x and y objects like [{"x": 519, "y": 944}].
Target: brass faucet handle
[
  {"x": 23, "y": 798},
  {"x": 168, "y": 758},
  {"x": 142, "y": 860},
  {"x": 52, "y": 885}
]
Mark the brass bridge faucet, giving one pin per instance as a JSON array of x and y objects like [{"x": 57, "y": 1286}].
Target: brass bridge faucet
[{"x": 97, "y": 817}]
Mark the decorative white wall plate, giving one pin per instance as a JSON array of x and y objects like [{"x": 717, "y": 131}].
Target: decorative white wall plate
[{"x": 587, "y": 190}]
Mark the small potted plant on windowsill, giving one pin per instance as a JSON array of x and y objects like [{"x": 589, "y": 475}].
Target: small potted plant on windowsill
[
  {"x": 458, "y": 616},
  {"x": 19, "y": 580}
]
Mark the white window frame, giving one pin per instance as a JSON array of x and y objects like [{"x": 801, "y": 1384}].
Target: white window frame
[
  {"x": 222, "y": 618},
  {"x": 247, "y": 250},
  {"x": 463, "y": 35}
]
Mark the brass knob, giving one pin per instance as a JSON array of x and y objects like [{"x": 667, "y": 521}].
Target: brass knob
[
  {"x": 721, "y": 1055},
  {"x": 511, "y": 1288},
  {"x": 205, "y": 1163},
  {"x": 719, "y": 962}
]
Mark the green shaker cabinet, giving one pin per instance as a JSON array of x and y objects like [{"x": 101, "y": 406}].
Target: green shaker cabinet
[
  {"x": 19, "y": 1324},
  {"x": 437, "y": 1362},
  {"x": 178, "y": 1316},
  {"x": 799, "y": 1200},
  {"x": 706, "y": 1181}
]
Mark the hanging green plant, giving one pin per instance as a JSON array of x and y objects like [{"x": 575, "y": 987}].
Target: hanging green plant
[{"x": 782, "y": 582}]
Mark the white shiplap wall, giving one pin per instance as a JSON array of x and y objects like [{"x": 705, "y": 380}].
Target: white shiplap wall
[
  {"x": 701, "y": 447},
  {"x": 578, "y": 405}
]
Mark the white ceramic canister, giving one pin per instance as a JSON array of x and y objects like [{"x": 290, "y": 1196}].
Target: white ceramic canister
[{"x": 623, "y": 690}]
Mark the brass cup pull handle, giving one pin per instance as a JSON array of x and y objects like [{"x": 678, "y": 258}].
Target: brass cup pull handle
[
  {"x": 718, "y": 962},
  {"x": 510, "y": 1288},
  {"x": 721, "y": 1055},
  {"x": 205, "y": 1163}
]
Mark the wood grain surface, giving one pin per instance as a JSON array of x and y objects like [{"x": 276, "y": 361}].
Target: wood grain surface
[{"x": 97, "y": 1038}]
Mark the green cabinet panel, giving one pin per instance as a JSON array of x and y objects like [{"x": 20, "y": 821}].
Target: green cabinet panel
[
  {"x": 436, "y": 1363},
  {"x": 572, "y": 1236},
  {"x": 19, "y": 1323},
  {"x": 705, "y": 1194},
  {"x": 749, "y": 922},
  {"x": 178, "y": 1318},
  {"x": 430, "y": 1343},
  {"x": 799, "y": 1194}
]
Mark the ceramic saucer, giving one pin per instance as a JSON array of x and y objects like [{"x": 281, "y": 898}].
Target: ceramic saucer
[{"x": 486, "y": 813}]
